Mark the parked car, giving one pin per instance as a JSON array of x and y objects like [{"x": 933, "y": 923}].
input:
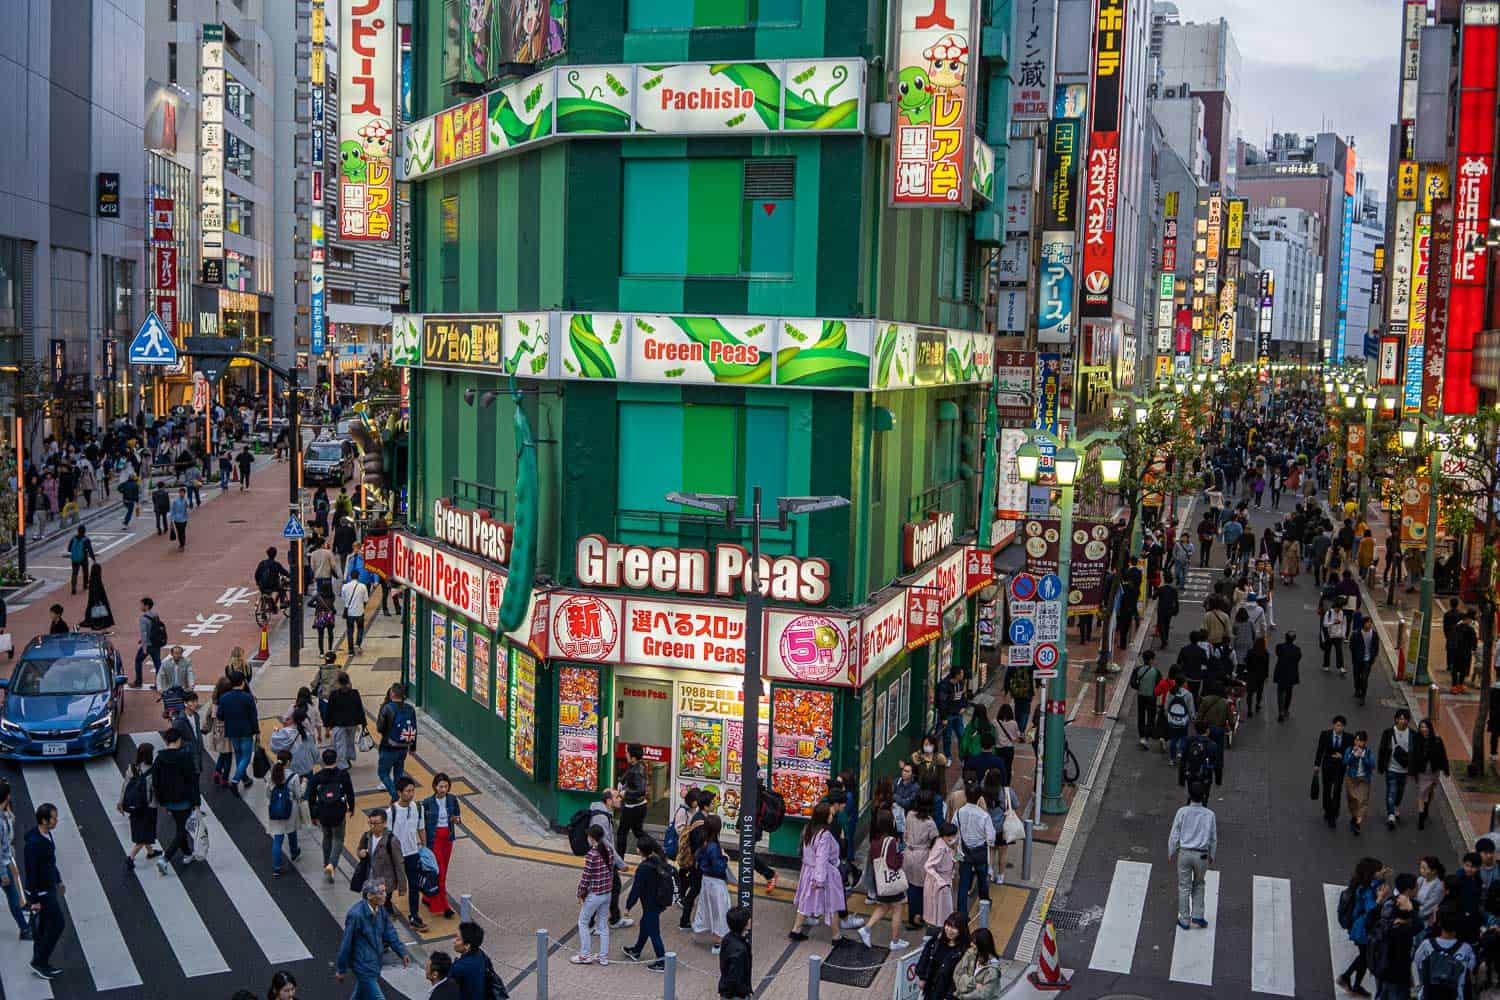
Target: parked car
[
  {"x": 63, "y": 699},
  {"x": 327, "y": 462},
  {"x": 266, "y": 430}
]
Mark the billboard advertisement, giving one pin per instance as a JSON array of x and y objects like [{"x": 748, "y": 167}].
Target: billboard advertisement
[
  {"x": 1416, "y": 325},
  {"x": 367, "y": 120},
  {"x": 211, "y": 149},
  {"x": 1034, "y": 31},
  {"x": 1440, "y": 270},
  {"x": 933, "y": 91},
  {"x": 1055, "y": 321},
  {"x": 1064, "y": 142},
  {"x": 1471, "y": 200},
  {"x": 1102, "y": 171}
]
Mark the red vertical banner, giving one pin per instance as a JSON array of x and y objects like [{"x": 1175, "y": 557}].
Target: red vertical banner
[
  {"x": 1472, "y": 192},
  {"x": 1102, "y": 167}
]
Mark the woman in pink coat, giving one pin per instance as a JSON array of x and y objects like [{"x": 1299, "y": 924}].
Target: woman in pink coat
[
  {"x": 937, "y": 887},
  {"x": 820, "y": 886}
]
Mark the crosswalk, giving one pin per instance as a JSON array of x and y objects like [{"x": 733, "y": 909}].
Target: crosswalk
[
  {"x": 1196, "y": 954},
  {"x": 129, "y": 930},
  {"x": 1200, "y": 583}
]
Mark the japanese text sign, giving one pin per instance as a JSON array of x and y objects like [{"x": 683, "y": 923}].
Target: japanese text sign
[
  {"x": 367, "y": 78},
  {"x": 933, "y": 95}
]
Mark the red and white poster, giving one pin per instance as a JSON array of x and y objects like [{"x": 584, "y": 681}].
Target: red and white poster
[
  {"x": 1472, "y": 185},
  {"x": 1102, "y": 165},
  {"x": 161, "y": 218},
  {"x": 924, "y": 616},
  {"x": 164, "y": 268}
]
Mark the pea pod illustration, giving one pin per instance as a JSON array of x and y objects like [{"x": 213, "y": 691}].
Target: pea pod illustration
[
  {"x": 819, "y": 366},
  {"x": 706, "y": 330},
  {"x": 517, "y": 599},
  {"x": 885, "y": 354},
  {"x": 594, "y": 360},
  {"x": 576, "y": 115}
]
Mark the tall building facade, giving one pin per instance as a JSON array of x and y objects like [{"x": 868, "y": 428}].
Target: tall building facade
[
  {"x": 1204, "y": 58},
  {"x": 73, "y": 192},
  {"x": 1290, "y": 239}
]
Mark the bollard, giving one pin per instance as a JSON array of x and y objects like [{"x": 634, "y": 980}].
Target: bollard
[
  {"x": 1026, "y": 853},
  {"x": 1494, "y": 818},
  {"x": 466, "y": 909},
  {"x": 983, "y": 918},
  {"x": 1099, "y": 696},
  {"x": 814, "y": 976},
  {"x": 1432, "y": 703},
  {"x": 541, "y": 963},
  {"x": 669, "y": 983}
]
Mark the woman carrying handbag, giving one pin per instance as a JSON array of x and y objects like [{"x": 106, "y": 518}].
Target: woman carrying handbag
[{"x": 886, "y": 862}]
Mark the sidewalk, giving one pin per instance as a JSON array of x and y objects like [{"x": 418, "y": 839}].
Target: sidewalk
[{"x": 1473, "y": 799}]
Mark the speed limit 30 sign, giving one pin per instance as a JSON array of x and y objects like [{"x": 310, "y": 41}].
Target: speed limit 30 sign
[{"x": 1045, "y": 656}]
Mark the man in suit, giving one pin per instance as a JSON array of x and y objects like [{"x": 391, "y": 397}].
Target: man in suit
[
  {"x": 1364, "y": 647},
  {"x": 1329, "y": 762},
  {"x": 44, "y": 891}
]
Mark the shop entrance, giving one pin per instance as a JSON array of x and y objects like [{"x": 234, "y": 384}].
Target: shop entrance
[{"x": 643, "y": 714}]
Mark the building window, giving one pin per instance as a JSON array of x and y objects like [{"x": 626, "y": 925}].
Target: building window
[
  {"x": 693, "y": 15},
  {"x": 172, "y": 61},
  {"x": 239, "y": 271},
  {"x": 239, "y": 215},
  {"x": 721, "y": 218},
  {"x": 239, "y": 157},
  {"x": 238, "y": 101}
]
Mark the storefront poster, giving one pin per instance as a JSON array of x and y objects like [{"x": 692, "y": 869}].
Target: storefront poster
[
  {"x": 523, "y": 720},
  {"x": 812, "y": 648},
  {"x": 866, "y": 740},
  {"x": 481, "y": 687},
  {"x": 438, "y": 662},
  {"x": 905, "y": 698},
  {"x": 802, "y": 747},
  {"x": 710, "y": 726},
  {"x": 685, "y": 636},
  {"x": 1415, "y": 490},
  {"x": 734, "y": 755},
  {"x": 880, "y": 724},
  {"x": 700, "y": 747},
  {"x": 458, "y": 673},
  {"x": 892, "y": 714},
  {"x": 1090, "y": 558},
  {"x": 577, "y": 729},
  {"x": 587, "y": 628}
]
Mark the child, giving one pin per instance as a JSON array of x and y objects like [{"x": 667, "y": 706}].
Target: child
[
  {"x": 734, "y": 955},
  {"x": 1357, "y": 767}
]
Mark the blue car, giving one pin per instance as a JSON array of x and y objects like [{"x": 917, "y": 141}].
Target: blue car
[{"x": 63, "y": 700}]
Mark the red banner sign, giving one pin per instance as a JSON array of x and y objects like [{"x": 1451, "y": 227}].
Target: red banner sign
[
  {"x": 164, "y": 267},
  {"x": 924, "y": 616},
  {"x": 161, "y": 219}
]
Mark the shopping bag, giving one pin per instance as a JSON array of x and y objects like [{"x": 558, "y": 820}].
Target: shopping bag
[
  {"x": 6, "y": 642},
  {"x": 1012, "y": 829},
  {"x": 1312, "y": 793},
  {"x": 198, "y": 834},
  {"x": 361, "y": 873},
  {"x": 260, "y": 763}
]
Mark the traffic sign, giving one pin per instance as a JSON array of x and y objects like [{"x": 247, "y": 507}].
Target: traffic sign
[
  {"x": 1018, "y": 656},
  {"x": 153, "y": 344},
  {"x": 1023, "y": 586},
  {"x": 1049, "y": 587},
  {"x": 1046, "y": 655},
  {"x": 1043, "y": 675},
  {"x": 1022, "y": 630},
  {"x": 1049, "y": 621},
  {"x": 293, "y": 532}
]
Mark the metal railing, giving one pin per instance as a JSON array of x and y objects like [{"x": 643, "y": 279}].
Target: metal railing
[
  {"x": 699, "y": 530},
  {"x": 496, "y": 501},
  {"x": 952, "y": 497}
]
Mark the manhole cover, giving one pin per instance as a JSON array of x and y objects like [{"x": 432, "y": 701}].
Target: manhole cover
[
  {"x": 236, "y": 521},
  {"x": 1065, "y": 920}
]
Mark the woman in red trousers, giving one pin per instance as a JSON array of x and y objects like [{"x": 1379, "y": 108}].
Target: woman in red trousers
[{"x": 440, "y": 812}]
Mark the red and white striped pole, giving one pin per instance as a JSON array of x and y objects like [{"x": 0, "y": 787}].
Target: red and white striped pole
[{"x": 1048, "y": 975}]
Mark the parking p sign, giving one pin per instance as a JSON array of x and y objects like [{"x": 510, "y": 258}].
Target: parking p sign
[{"x": 1022, "y": 630}]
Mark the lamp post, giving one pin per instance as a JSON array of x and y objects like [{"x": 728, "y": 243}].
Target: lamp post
[
  {"x": 726, "y": 506},
  {"x": 1411, "y": 434},
  {"x": 1068, "y": 461}
]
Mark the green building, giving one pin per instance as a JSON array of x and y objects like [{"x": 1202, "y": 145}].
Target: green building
[{"x": 681, "y": 238}]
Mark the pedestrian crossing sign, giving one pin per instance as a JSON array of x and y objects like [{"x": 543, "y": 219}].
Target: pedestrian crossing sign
[
  {"x": 293, "y": 532},
  {"x": 153, "y": 345}
]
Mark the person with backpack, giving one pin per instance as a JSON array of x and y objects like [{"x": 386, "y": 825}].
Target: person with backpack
[
  {"x": 472, "y": 970},
  {"x": 1143, "y": 681},
  {"x": 80, "y": 551},
  {"x": 633, "y": 798},
  {"x": 1178, "y": 710},
  {"x": 653, "y": 889},
  {"x": 241, "y": 718},
  {"x": 283, "y": 815},
  {"x": 440, "y": 818},
  {"x": 1287, "y": 674},
  {"x": 408, "y": 832},
  {"x": 1358, "y": 908},
  {"x": 1193, "y": 844},
  {"x": 174, "y": 785},
  {"x": 1020, "y": 684},
  {"x": 330, "y": 801},
  {"x": 1200, "y": 761},
  {"x": 1395, "y": 935},
  {"x": 1444, "y": 963},
  {"x": 690, "y": 879},
  {"x": 396, "y": 723},
  {"x": 153, "y": 636},
  {"x": 949, "y": 702},
  {"x": 137, "y": 803}
]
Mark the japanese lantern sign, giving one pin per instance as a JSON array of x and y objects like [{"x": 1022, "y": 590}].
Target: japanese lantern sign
[
  {"x": 933, "y": 96},
  {"x": 924, "y": 616},
  {"x": 367, "y": 74}
]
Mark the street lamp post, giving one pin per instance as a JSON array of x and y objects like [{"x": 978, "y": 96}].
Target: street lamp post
[
  {"x": 754, "y": 614},
  {"x": 1410, "y": 434},
  {"x": 1067, "y": 461}
]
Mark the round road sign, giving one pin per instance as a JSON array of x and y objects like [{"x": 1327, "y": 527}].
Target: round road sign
[
  {"x": 1023, "y": 586},
  {"x": 1049, "y": 587},
  {"x": 1046, "y": 655},
  {"x": 1022, "y": 631}
]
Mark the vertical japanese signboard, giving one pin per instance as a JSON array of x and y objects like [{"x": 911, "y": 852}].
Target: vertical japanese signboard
[
  {"x": 1055, "y": 319},
  {"x": 1032, "y": 53},
  {"x": 367, "y": 97},
  {"x": 211, "y": 153},
  {"x": 1439, "y": 285},
  {"x": 1266, "y": 311},
  {"x": 1471, "y": 200},
  {"x": 1341, "y": 336},
  {"x": 1398, "y": 287},
  {"x": 317, "y": 251},
  {"x": 1102, "y": 171},
  {"x": 933, "y": 96},
  {"x": 1416, "y": 324}
]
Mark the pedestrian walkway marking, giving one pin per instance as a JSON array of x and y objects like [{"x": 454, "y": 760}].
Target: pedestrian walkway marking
[
  {"x": 180, "y": 923},
  {"x": 1114, "y": 947},
  {"x": 1193, "y": 949},
  {"x": 15, "y": 972},
  {"x": 104, "y": 946},
  {"x": 269, "y": 926},
  {"x": 1340, "y": 948},
  {"x": 1272, "y": 966}
]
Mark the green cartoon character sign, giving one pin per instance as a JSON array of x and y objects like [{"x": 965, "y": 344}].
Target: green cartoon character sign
[
  {"x": 352, "y": 161},
  {"x": 914, "y": 96}
]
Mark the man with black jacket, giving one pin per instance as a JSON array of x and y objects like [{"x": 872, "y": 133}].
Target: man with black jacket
[
  {"x": 44, "y": 891},
  {"x": 190, "y": 725},
  {"x": 734, "y": 955},
  {"x": 1399, "y": 747},
  {"x": 1328, "y": 763},
  {"x": 633, "y": 786},
  {"x": 1364, "y": 648},
  {"x": 174, "y": 782},
  {"x": 345, "y": 716},
  {"x": 330, "y": 800}
]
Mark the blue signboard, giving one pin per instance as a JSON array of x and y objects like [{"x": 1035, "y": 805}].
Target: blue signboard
[
  {"x": 1054, "y": 321},
  {"x": 315, "y": 311},
  {"x": 1022, "y": 631},
  {"x": 1049, "y": 587}
]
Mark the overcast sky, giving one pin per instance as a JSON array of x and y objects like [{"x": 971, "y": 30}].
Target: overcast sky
[{"x": 1314, "y": 65}]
